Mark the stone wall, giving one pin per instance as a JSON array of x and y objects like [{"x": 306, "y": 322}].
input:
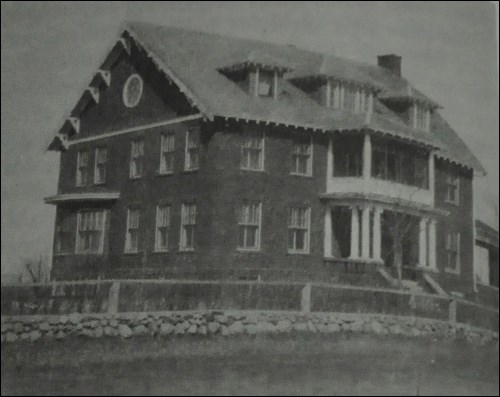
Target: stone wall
[{"x": 226, "y": 323}]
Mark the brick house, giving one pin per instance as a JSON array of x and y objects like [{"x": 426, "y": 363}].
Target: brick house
[{"x": 194, "y": 155}]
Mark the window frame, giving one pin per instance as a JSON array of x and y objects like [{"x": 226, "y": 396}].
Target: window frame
[
  {"x": 295, "y": 228},
  {"x": 63, "y": 219},
  {"x": 101, "y": 163},
  {"x": 247, "y": 149},
  {"x": 128, "y": 248},
  {"x": 296, "y": 155},
  {"x": 452, "y": 179},
  {"x": 449, "y": 237},
  {"x": 136, "y": 160},
  {"x": 82, "y": 177},
  {"x": 189, "y": 146},
  {"x": 126, "y": 88},
  {"x": 80, "y": 213},
  {"x": 169, "y": 149},
  {"x": 246, "y": 224},
  {"x": 158, "y": 247},
  {"x": 192, "y": 224}
]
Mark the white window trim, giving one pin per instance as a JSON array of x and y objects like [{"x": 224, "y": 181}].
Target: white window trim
[
  {"x": 162, "y": 137},
  {"x": 262, "y": 165},
  {"x": 157, "y": 230},
  {"x": 101, "y": 242},
  {"x": 307, "y": 249},
  {"x": 457, "y": 270},
  {"x": 259, "y": 234},
  {"x": 310, "y": 162},
  {"x": 186, "y": 168},
  {"x": 456, "y": 202},
  {"x": 132, "y": 158},
  {"x": 182, "y": 243},
  {"x": 127, "y": 249},
  {"x": 78, "y": 182},
  {"x": 126, "y": 88},
  {"x": 96, "y": 182}
]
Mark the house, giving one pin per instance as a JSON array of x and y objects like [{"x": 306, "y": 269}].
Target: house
[
  {"x": 486, "y": 254},
  {"x": 195, "y": 155}
]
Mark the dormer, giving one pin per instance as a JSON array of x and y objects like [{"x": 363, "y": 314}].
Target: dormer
[
  {"x": 259, "y": 74},
  {"x": 349, "y": 96}
]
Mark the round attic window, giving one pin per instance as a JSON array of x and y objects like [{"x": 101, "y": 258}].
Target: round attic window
[{"x": 132, "y": 91}]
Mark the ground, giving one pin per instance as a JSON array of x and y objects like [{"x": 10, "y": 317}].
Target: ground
[{"x": 297, "y": 364}]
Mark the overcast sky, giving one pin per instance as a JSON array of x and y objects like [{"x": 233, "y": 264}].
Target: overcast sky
[{"x": 50, "y": 50}]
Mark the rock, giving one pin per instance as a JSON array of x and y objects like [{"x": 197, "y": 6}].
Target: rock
[
  {"x": 113, "y": 323},
  {"x": 236, "y": 328},
  {"x": 179, "y": 329},
  {"x": 24, "y": 336},
  {"x": 300, "y": 327},
  {"x": 18, "y": 328},
  {"x": 125, "y": 331},
  {"x": 224, "y": 331},
  {"x": 140, "y": 330},
  {"x": 284, "y": 326},
  {"x": 311, "y": 327},
  {"x": 333, "y": 327},
  {"x": 192, "y": 329},
  {"x": 63, "y": 320},
  {"x": 11, "y": 337},
  {"x": 166, "y": 329},
  {"x": 35, "y": 335},
  {"x": 60, "y": 335},
  {"x": 213, "y": 327},
  {"x": 265, "y": 327},
  {"x": 202, "y": 330},
  {"x": 221, "y": 319},
  {"x": 356, "y": 326},
  {"x": 6, "y": 327},
  {"x": 74, "y": 319},
  {"x": 321, "y": 327},
  {"x": 395, "y": 329},
  {"x": 378, "y": 328},
  {"x": 99, "y": 332},
  {"x": 109, "y": 331},
  {"x": 251, "y": 329}
]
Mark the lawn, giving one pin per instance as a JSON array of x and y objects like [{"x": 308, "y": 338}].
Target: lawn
[{"x": 308, "y": 364}]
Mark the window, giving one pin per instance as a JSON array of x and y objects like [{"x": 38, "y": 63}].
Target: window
[
  {"x": 162, "y": 227},
  {"x": 452, "y": 185},
  {"x": 100, "y": 166},
  {"x": 265, "y": 84},
  {"x": 299, "y": 221},
  {"x": 453, "y": 252},
  {"x": 347, "y": 156},
  {"x": 350, "y": 97},
  {"x": 64, "y": 237},
  {"x": 137, "y": 159},
  {"x": 90, "y": 231},
  {"x": 82, "y": 168},
  {"x": 302, "y": 158},
  {"x": 249, "y": 221},
  {"x": 188, "y": 225},
  {"x": 421, "y": 117},
  {"x": 132, "y": 236},
  {"x": 400, "y": 163},
  {"x": 167, "y": 153},
  {"x": 252, "y": 153},
  {"x": 191, "y": 155},
  {"x": 132, "y": 91}
]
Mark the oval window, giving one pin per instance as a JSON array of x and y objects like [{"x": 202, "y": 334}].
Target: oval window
[{"x": 132, "y": 91}]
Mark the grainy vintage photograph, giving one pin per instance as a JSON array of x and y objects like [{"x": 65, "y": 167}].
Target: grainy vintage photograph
[{"x": 249, "y": 198}]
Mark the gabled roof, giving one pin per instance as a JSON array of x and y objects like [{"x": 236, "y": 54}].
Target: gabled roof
[
  {"x": 261, "y": 59},
  {"x": 193, "y": 60}
]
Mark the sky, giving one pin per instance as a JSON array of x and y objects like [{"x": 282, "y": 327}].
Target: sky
[{"x": 49, "y": 51}]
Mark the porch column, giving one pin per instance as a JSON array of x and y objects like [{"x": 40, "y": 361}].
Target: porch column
[
  {"x": 422, "y": 243},
  {"x": 329, "y": 161},
  {"x": 432, "y": 180},
  {"x": 365, "y": 233},
  {"x": 377, "y": 234},
  {"x": 367, "y": 157},
  {"x": 354, "y": 232},
  {"x": 432, "y": 244},
  {"x": 328, "y": 233}
]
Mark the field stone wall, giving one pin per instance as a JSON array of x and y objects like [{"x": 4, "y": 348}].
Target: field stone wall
[{"x": 226, "y": 323}]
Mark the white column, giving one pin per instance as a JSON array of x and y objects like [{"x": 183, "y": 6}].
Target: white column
[
  {"x": 367, "y": 157},
  {"x": 354, "y": 232},
  {"x": 328, "y": 93},
  {"x": 432, "y": 177},
  {"x": 342, "y": 92},
  {"x": 422, "y": 243},
  {"x": 432, "y": 244},
  {"x": 377, "y": 234},
  {"x": 328, "y": 233},
  {"x": 256, "y": 88},
  {"x": 275, "y": 88},
  {"x": 329, "y": 161},
  {"x": 370, "y": 102},
  {"x": 365, "y": 233}
]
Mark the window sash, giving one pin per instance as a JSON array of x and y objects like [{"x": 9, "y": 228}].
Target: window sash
[
  {"x": 90, "y": 231},
  {"x": 132, "y": 236},
  {"x": 82, "y": 168},
  {"x": 249, "y": 226},
  {"x": 299, "y": 225},
  {"x": 167, "y": 153},
  {"x": 100, "y": 165},
  {"x": 452, "y": 184},
  {"x": 302, "y": 158},
  {"x": 137, "y": 159},
  {"x": 252, "y": 151},
  {"x": 188, "y": 226},
  {"x": 191, "y": 151},
  {"x": 452, "y": 247},
  {"x": 162, "y": 227}
]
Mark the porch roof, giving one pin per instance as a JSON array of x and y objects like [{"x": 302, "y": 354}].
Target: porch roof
[{"x": 82, "y": 197}]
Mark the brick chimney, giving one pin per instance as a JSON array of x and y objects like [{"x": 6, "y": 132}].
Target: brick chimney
[{"x": 391, "y": 62}]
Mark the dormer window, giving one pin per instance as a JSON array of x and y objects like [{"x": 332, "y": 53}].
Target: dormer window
[
  {"x": 266, "y": 81},
  {"x": 349, "y": 96}
]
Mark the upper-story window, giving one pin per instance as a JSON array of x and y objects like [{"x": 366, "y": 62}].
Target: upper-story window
[
  {"x": 302, "y": 157},
  {"x": 452, "y": 184},
  {"x": 421, "y": 117},
  {"x": 350, "y": 97},
  {"x": 90, "y": 231},
  {"x": 167, "y": 147},
  {"x": 137, "y": 159},
  {"x": 265, "y": 83},
  {"x": 100, "y": 165},
  {"x": 191, "y": 153},
  {"x": 347, "y": 156},
  {"x": 132, "y": 91},
  {"x": 82, "y": 168},
  {"x": 252, "y": 152}
]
